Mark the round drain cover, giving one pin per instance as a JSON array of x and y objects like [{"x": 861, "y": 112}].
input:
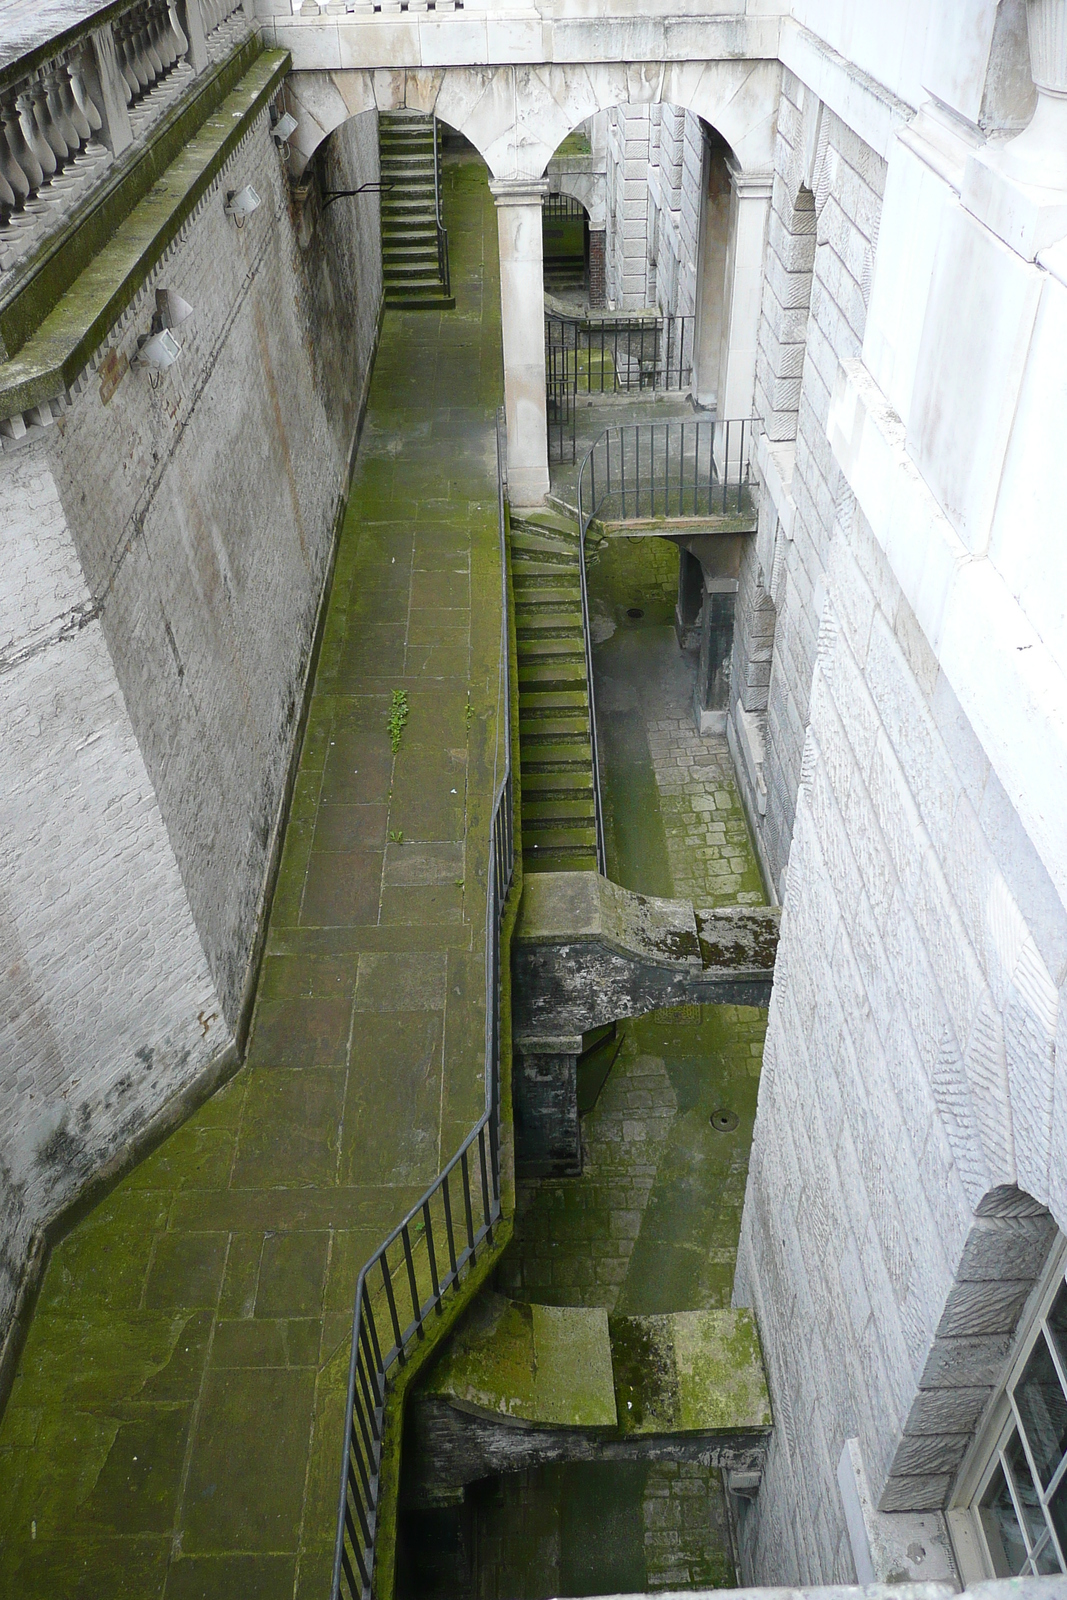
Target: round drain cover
[
  {"x": 635, "y": 613},
  {"x": 724, "y": 1120}
]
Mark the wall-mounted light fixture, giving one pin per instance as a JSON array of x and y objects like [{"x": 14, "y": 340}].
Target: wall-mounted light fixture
[
  {"x": 284, "y": 128},
  {"x": 157, "y": 351},
  {"x": 171, "y": 309},
  {"x": 240, "y": 204}
]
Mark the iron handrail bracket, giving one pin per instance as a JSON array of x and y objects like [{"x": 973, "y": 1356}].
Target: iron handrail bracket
[
  {"x": 602, "y": 476},
  {"x": 431, "y": 1250}
]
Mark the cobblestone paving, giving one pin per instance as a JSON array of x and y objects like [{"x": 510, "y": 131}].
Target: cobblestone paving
[
  {"x": 708, "y": 849},
  {"x": 673, "y": 816}
]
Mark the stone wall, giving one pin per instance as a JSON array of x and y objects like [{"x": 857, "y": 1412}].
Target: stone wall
[
  {"x": 909, "y": 1092},
  {"x": 166, "y": 549},
  {"x": 654, "y": 165},
  {"x": 813, "y": 315}
]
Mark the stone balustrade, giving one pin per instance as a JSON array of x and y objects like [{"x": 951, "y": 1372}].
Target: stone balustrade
[{"x": 65, "y": 120}]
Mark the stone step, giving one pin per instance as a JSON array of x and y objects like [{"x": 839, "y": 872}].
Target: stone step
[
  {"x": 552, "y": 677},
  {"x": 547, "y": 591},
  {"x": 540, "y": 860},
  {"x": 412, "y": 273},
  {"x": 570, "y": 840},
  {"x": 546, "y": 756},
  {"x": 552, "y": 816},
  {"x": 551, "y": 727},
  {"x": 527, "y": 544},
  {"x": 420, "y": 302},
  {"x": 543, "y": 702},
  {"x": 541, "y": 560},
  {"x": 551, "y": 644},
  {"x": 543, "y": 538},
  {"x": 555, "y": 788},
  {"x": 537, "y": 607}
]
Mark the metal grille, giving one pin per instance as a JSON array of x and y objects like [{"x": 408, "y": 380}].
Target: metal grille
[{"x": 619, "y": 355}]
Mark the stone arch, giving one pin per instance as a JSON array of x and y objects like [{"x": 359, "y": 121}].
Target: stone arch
[
  {"x": 1004, "y": 1255},
  {"x": 587, "y": 188},
  {"x": 518, "y": 116}
]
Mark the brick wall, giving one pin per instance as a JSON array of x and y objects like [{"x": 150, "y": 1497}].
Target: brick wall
[{"x": 165, "y": 554}]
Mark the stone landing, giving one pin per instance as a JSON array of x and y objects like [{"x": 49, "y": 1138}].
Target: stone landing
[{"x": 175, "y": 1425}]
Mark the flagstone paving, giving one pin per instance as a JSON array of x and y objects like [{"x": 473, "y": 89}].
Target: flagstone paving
[{"x": 175, "y": 1426}]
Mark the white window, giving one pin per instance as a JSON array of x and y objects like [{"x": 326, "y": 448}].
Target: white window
[{"x": 1010, "y": 1512}]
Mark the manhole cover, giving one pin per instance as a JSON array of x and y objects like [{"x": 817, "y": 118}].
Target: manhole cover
[
  {"x": 724, "y": 1120},
  {"x": 635, "y": 613}
]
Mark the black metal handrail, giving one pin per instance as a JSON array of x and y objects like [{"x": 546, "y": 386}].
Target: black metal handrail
[
  {"x": 429, "y": 1253},
  {"x": 443, "y": 270},
  {"x": 616, "y": 355},
  {"x": 609, "y": 355},
  {"x": 651, "y": 470}
]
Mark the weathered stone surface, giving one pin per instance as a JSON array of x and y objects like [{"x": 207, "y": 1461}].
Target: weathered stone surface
[{"x": 588, "y": 952}]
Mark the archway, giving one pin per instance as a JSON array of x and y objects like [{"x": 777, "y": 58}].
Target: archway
[{"x": 517, "y": 117}]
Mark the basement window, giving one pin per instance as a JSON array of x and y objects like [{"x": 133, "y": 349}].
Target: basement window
[{"x": 1011, "y": 1519}]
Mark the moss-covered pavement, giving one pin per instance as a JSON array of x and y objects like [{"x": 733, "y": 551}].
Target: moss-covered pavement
[{"x": 175, "y": 1426}]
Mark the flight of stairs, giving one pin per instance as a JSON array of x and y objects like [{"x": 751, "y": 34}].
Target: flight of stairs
[
  {"x": 410, "y": 265},
  {"x": 558, "y": 815}
]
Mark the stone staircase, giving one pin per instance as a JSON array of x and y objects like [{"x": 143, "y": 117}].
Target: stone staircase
[
  {"x": 558, "y": 813},
  {"x": 410, "y": 263}
]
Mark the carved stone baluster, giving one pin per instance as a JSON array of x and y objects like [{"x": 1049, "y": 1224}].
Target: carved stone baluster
[
  {"x": 191, "y": 18},
  {"x": 124, "y": 57},
  {"x": 136, "y": 59},
  {"x": 180, "y": 38},
  {"x": 158, "y": 36},
  {"x": 17, "y": 164},
  {"x": 145, "y": 30},
  {"x": 44, "y": 155},
  {"x": 53, "y": 81},
  {"x": 51, "y": 134},
  {"x": 106, "y": 89},
  {"x": 74, "y": 110}
]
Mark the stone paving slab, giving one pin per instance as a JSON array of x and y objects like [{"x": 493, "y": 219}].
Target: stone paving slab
[{"x": 175, "y": 1426}]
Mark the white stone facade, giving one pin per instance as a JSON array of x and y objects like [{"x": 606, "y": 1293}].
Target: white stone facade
[
  {"x": 654, "y": 170},
  {"x": 898, "y": 760},
  {"x": 160, "y": 588}
]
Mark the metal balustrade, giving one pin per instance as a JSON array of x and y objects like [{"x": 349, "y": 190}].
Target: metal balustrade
[
  {"x": 653, "y": 471},
  {"x": 648, "y": 472},
  {"x": 406, "y": 1283},
  {"x": 617, "y": 355},
  {"x": 64, "y": 122}
]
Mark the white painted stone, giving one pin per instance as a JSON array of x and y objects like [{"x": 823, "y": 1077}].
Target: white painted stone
[{"x": 522, "y": 329}]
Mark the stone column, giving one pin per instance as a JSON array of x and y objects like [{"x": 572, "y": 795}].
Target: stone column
[
  {"x": 749, "y": 207},
  {"x": 712, "y": 700},
  {"x": 522, "y": 318}
]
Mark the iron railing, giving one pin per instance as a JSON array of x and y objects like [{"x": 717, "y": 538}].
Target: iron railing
[
  {"x": 650, "y": 470},
  {"x": 617, "y": 355},
  {"x": 407, "y": 1280},
  {"x": 653, "y": 470},
  {"x": 443, "y": 270}
]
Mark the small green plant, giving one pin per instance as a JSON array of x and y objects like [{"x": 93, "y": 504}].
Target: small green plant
[
  {"x": 396, "y": 836},
  {"x": 469, "y": 713},
  {"x": 398, "y": 716}
]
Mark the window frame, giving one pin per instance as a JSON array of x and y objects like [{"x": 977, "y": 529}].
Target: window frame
[{"x": 1000, "y": 1419}]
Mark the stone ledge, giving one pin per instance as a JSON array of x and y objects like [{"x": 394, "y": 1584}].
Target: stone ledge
[{"x": 54, "y": 357}]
